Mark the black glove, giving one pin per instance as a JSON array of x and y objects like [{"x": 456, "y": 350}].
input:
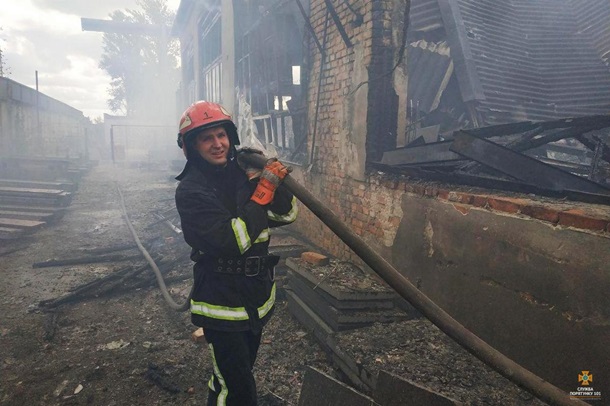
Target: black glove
[{"x": 251, "y": 171}]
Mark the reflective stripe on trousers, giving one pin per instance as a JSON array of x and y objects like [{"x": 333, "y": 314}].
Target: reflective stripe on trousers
[{"x": 231, "y": 313}]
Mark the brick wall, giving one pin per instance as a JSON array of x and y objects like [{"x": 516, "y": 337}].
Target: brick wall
[
  {"x": 368, "y": 201},
  {"x": 341, "y": 145},
  {"x": 479, "y": 254}
]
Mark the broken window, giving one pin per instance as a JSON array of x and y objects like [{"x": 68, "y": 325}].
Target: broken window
[
  {"x": 189, "y": 73},
  {"x": 210, "y": 35},
  {"x": 269, "y": 55}
]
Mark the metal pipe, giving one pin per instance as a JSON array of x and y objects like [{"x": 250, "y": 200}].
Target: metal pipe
[
  {"x": 473, "y": 344},
  {"x": 322, "y": 62},
  {"x": 112, "y": 143},
  {"x": 38, "y": 129}
]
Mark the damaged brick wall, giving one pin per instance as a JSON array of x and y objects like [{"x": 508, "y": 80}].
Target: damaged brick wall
[
  {"x": 355, "y": 120},
  {"x": 382, "y": 98},
  {"x": 436, "y": 234}
]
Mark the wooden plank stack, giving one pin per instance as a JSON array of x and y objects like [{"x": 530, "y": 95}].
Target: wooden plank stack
[{"x": 35, "y": 191}]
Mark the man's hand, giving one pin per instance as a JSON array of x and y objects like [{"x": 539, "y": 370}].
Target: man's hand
[
  {"x": 273, "y": 174},
  {"x": 251, "y": 171}
]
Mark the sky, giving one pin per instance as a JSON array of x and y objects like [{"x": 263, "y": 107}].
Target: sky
[{"x": 46, "y": 36}]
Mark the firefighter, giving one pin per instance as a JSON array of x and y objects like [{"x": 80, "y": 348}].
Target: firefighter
[{"x": 226, "y": 215}]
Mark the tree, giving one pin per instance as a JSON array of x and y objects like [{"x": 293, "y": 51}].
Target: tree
[
  {"x": 4, "y": 69},
  {"x": 143, "y": 67}
]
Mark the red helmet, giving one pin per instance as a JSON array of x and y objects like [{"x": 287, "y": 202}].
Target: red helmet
[{"x": 203, "y": 114}]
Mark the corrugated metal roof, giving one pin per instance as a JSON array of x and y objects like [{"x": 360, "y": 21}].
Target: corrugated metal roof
[
  {"x": 425, "y": 16},
  {"x": 428, "y": 65},
  {"x": 535, "y": 60},
  {"x": 594, "y": 21}
]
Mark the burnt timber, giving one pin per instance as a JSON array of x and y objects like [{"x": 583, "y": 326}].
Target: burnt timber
[{"x": 547, "y": 158}]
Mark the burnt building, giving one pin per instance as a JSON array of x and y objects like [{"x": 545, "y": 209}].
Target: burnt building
[{"x": 390, "y": 111}]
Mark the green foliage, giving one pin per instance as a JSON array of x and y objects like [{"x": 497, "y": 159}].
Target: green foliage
[{"x": 143, "y": 66}]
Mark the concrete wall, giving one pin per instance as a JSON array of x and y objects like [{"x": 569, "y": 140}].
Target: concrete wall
[
  {"x": 34, "y": 124},
  {"x": 535, "y": 291},
  {"x": 528, "y": 275}
]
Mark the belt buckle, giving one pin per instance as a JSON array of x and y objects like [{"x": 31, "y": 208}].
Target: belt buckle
[{"x": 248, "y": 266}]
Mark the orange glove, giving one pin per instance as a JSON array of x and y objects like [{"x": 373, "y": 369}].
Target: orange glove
[{"x": 273, "y": 174}]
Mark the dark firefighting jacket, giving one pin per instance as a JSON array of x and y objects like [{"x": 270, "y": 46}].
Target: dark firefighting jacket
[{"x": 221, "y": 224}]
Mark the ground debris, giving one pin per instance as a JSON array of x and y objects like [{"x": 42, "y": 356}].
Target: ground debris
[
  {"x": 419, "y": 351},
  {"x": 162, "y": 352},
  {"x": 343, "y": 276},
  {"x": 159, "y": 377}
]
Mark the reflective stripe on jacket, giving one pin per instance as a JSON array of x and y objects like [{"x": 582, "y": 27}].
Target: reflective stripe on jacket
[{"x": 219, "y": 220}]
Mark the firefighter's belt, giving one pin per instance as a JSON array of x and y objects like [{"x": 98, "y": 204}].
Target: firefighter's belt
[{"x": 249, "y": 266}]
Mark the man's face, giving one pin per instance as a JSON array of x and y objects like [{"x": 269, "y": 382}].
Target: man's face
[{"x": 213, "y": 145}]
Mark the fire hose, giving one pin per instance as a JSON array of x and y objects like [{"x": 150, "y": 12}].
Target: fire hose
[
  {"x": 172, "y": 304},
  {"x": 455, "y": 330}
]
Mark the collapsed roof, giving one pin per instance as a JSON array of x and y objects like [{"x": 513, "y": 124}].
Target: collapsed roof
[{"x": 499, "y": 89}]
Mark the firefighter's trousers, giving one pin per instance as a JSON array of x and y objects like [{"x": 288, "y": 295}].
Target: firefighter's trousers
[{"x": 233, "y": 356}]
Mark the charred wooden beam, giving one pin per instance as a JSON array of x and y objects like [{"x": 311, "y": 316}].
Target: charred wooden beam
[
  {"x": 526, "y": 137},
  {"x": 552, "y": 137},
  {"x": 107, "y": 250},
  {"x": 78, "y": 292},
  {"x": 590, "y": 144},
  {"x": 600, "y": 121},
  {"x": 503, "y": 129},
  {"x": 312, "y": 32},
  {"x": 85, "y": 260},
  {"x": 427, "y": 153},
  {"x": 521, "y": 167},
  {"x": 168, "y": 223},
  {"x": 489, "y": 182},
  {"x": 338, "y": 23}
]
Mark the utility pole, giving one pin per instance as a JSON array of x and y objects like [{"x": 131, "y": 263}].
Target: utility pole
[{"x": 38, "y": 131}]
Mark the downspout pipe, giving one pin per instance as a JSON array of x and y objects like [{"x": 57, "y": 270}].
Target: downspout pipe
[{"x": 460, "y": 334}]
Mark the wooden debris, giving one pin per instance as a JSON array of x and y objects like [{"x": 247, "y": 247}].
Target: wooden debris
[
  {"x": 156, "y": 375},
  {"x": 22, "y": 224},
  {"x": 198, "y": 336},
  {"x": 85, "y": 260},
  {"x": 50, "y": 326},
  {"x": 76, "y": 294},
  {"x": 108, "y": 250}
]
